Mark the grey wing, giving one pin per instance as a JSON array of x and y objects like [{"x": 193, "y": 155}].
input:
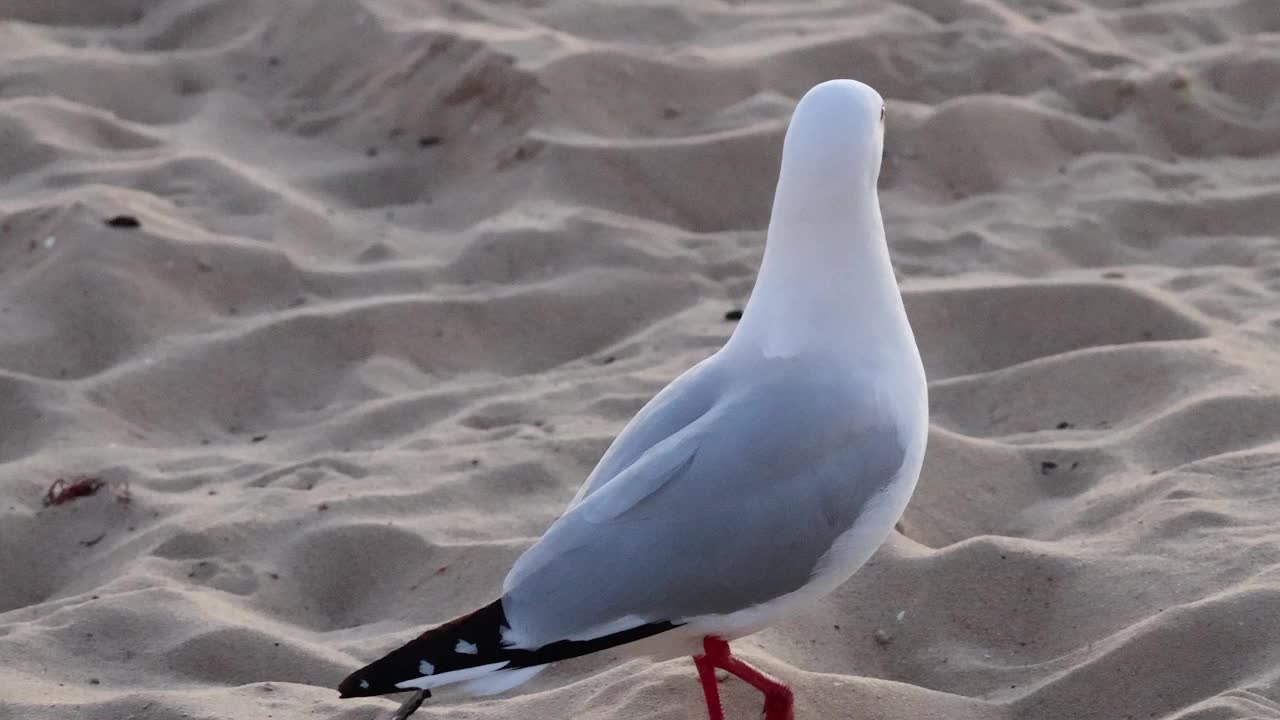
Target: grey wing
[
  {"x": 767, "y": 480},
  {"x": 681, "y": 402}
]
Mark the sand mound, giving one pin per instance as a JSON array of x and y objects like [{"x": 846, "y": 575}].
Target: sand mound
[{"x": 353, "y": 295}]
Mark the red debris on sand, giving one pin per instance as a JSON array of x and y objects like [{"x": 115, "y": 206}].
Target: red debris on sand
[
  {"x": 63, "y": 491},
  {"x": 120, "y": 488}
]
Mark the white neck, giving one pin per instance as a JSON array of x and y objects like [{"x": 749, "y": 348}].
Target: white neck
[{"x": 826, "y": 281}]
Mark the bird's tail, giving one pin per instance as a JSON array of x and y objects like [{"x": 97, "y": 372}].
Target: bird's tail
[{"x": 470, "y": 650}]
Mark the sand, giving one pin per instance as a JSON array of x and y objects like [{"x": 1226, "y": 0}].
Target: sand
[{"x": 402, "y": 269}]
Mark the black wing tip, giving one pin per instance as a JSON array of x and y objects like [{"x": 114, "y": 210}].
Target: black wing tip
[
  {"x": 437, "y": 645},
  {"x": 483, "y": 629},
  {"x": 379, "y": 678},
  {"x": 358, "y": 685},
  {"x": 350, "y": 688}
]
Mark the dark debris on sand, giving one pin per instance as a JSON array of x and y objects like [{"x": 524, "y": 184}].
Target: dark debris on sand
[{"x": 64, "y": 491}]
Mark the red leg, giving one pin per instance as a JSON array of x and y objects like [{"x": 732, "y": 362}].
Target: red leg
[
  {"x": 778, "y": 701},
  {"x": 710, "y": 690}
]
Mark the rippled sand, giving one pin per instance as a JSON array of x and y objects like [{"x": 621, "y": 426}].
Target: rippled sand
[{"x": 402, "y": 272}]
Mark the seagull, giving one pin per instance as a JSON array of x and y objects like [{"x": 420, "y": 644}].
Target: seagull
[{"x": 755, "y": 483}]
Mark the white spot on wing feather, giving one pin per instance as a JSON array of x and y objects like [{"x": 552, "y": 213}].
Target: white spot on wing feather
[
  {"x": 515, "y": 639},
  {"x": 465, "y": 648},
  {"x": 426, "y": 668}
]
